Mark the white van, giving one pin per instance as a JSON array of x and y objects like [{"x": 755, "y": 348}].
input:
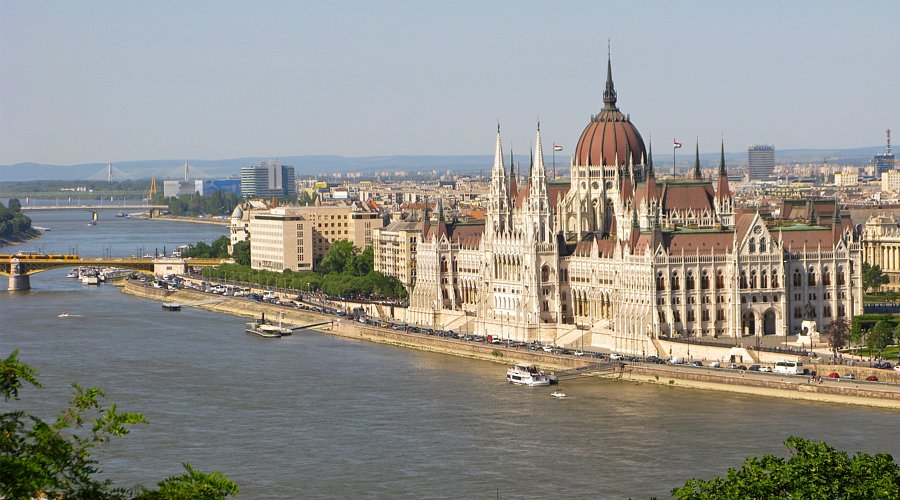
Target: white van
[{"x": 789, "y": 367}]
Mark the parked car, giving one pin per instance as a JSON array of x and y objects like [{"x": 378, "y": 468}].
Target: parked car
[
  {"x": 616, "y": 357},
  {"x": 742, "y": 367},
  {"x": 696, "y": 364},
  {"x": 715, "y": 364},
  {"x": 872, "y": 378},
  {"x": 897, "y": 367},
  {"x": 834, "y": 375},
  {"x": 766, "y": 369},
  {"x": 732, "y": 366},
  {"x": 755, "y": 368},
  {"x": 849, "y": 376}
]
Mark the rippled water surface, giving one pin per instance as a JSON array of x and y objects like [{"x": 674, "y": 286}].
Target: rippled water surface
[{"x": 318, "y": 416}]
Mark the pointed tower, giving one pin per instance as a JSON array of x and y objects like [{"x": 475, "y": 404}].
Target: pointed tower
[
  {"x": 697, "y": 175},
  {"x": 499, "y": 211},
  {"x": 724, "y": 200},
  {"x": 513, "y": 184},
  {"x": 538, "y": 196}
]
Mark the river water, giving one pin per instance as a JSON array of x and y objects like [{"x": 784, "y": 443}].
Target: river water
[{"x": 315, "y": 416}]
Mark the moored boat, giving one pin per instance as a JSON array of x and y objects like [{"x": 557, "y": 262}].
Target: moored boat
[
  {"x": 171, "y": 307},
  {"x": 527, "y": 375},
  {"x": 263, "y": 330}
]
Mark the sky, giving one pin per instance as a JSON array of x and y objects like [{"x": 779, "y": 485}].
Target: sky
[{"x": 96, "y": 81}]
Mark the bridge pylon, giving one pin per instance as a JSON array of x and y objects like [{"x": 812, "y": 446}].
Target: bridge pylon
[{"x": 19, "y": 280}]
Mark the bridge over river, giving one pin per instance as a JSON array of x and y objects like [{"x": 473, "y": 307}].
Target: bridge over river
[
  {"x": 20, "y": 267},
  {"x": 93, "y": 207}
]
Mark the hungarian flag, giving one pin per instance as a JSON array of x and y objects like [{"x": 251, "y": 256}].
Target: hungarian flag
[
  {"x": 676, "y": 145},
  {"x": 557, "y": 147}
]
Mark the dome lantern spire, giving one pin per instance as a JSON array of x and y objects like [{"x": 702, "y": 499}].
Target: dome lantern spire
[{"x": 609, "y": 95}]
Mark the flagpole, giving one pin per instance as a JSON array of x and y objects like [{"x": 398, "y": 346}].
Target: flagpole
[
  {"x": 673, "y": 158},
  {"x": 554, "y": 161}
]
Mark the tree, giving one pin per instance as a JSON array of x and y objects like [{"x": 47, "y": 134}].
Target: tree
[
  {"x": 814, "y": 471},
  {"x": 338, "y": 258},
  {"x": 241, "y": 253},
  {"x": 880, "y": 337},
  {"x": 15, "y": 205},
  {"x": 837, "y": 333},
  {"x": 872, "y": 277},
  {"x": 41, "y": 459}
]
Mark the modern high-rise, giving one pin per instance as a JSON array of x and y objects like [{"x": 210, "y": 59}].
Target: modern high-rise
[
  {"x": 762, "y": 161},
  {"x": 268, "y": 178},
  {"x": 885, "y": 162}
]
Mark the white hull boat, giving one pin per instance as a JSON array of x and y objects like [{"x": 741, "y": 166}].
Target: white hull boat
[{"x": 527, "y": 375}]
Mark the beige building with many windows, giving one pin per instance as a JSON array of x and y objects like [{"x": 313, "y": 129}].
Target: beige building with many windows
[
  {"x": 395, "y": 250},
  {"x": 297, "y": 238},
  {"x": 881, "y": 247}
]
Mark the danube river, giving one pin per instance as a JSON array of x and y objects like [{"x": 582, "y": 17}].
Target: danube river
[{"x": 316, "y": 416}]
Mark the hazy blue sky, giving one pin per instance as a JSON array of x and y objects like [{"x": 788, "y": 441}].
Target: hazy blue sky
[{"x": 91, "y": 81}]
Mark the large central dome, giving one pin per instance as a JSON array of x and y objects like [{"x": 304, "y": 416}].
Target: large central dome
[{"x": 610, "y": 135}]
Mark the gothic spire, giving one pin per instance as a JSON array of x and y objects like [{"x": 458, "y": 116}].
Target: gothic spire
[
  {"x": 609, "y": 94},
  {"x": 723, "y": 191},
  {"x": 697, "y": 174},
  {"x": 722, "y": 170},
  {"x": 650, "y": 172}
]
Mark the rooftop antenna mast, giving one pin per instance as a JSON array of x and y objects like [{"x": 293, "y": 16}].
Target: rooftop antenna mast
[{"x": 109, "y": 166}]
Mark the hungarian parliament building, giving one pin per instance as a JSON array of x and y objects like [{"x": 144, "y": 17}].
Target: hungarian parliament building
[{"x": 615, "y": 256}]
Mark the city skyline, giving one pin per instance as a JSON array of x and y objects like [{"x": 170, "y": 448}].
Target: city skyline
[{"x": 96, "y": 82}]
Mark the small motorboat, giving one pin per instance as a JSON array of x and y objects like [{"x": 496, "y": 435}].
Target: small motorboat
[
  {"x": 171, "y": 307},
  {"x": 558, "y": 394},
  {"x": 63, "y": 314}
]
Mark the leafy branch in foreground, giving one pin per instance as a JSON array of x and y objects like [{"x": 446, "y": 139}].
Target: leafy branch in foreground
[
  {"x": 814, "y": 471},
  {"x": 43, "y": 460}
]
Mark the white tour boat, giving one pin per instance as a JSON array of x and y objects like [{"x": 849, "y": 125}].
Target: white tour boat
[{"x": 527, "y": 375}]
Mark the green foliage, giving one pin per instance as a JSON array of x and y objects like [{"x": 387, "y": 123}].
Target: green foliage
[
  {"x": 496, "y": 353},
  {"x": 881, "y": 336},
  {"x": 814, "y": 471},
  {"x": 40, "y": 459},
  {"x": 241, "y": 253},
  {"x": 215, "y": 203},
  {"x": 194, "y": 485},
  {"x": 872, "y": 277},
  {"x": 218, "y": 249},
  {"x": 339, "y": 258},
  {"x": 12, "y": 221},
  {"x": 349, "y": 275}
]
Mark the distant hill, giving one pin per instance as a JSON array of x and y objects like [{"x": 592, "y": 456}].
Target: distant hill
[{"x": 312, "y": 165}]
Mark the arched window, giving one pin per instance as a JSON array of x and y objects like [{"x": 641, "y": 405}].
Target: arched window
[
  {"x": 797, "y": 279},
  {"x": 743, "y": 279},
  {"x": 720, "y": 280},
  {"x": 762, "y": 244},
  {"x": 690, "y": 281},
  {"x": 676, "y": 283},
  {"x": 704, "y": 280},
  {"x": 774, "y": 279},
  {"x": 752, "y": 245},
  {"x": 826, "y": 276},
  {"x": 545, "y": 273},
  {"x": 811, "y": 277},
  {"x": 840, "y": 276},
  {"x": 753, "y": 278},
  {"x": 660, "y": 281},
  {"x": 763, "y": 279}
]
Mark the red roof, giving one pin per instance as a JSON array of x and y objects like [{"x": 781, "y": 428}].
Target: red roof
[{"x": 608, "y": 136}]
